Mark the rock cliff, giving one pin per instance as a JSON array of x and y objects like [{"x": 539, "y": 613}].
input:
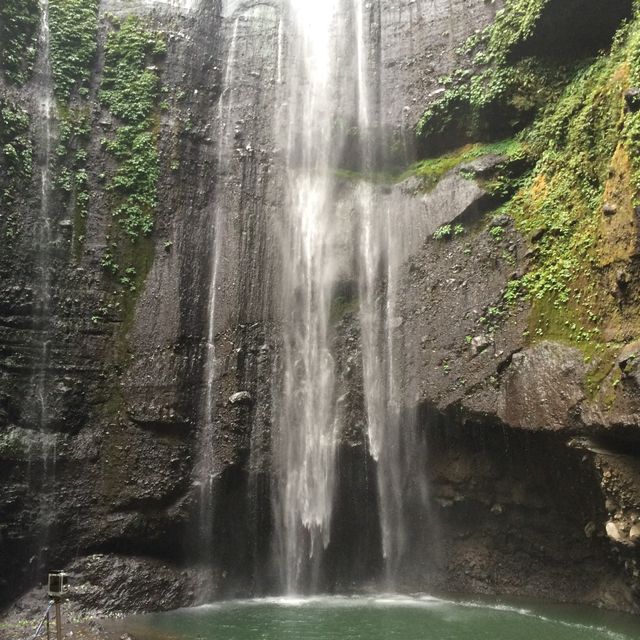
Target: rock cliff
[{"x": 516, "y": 317}]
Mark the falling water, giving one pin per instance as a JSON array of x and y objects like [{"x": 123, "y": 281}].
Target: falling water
[
  {"x": 323, "y": 70},
  {"x": 43, "y": 240},
  {"x": 306, "y": 414},
  {"x": 42, "y": 303},
  {"x": 387, "y": 226},
  {"x": 395, "y": 442},
  {"x": 206, "y": 468}
]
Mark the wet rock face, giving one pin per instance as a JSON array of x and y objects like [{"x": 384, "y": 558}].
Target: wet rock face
[
  {"x": 503, "y": 529},
  {"x": 123, "y": 384},
  {"x": 418, "y": 39},
  {"x": 106, "y": 464},
  {"x": 124, "y": 387}
]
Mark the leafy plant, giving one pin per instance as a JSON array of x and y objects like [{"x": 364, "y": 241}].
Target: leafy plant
[
  {"x": 74, "y": 33},
  {"x": 16, "y": 162},
  {"x": 130, "y": 90},
  {"x": 18, "y": 35},
  {"x": 443, "y": 232}
]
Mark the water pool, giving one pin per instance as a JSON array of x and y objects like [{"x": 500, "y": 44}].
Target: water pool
[{"x": 382, "y": 618}]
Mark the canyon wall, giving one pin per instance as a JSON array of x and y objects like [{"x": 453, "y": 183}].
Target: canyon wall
[{"x": 106, "y": 323}]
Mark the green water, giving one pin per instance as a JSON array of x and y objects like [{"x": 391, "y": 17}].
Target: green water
[{"x": 382, "y": 618}]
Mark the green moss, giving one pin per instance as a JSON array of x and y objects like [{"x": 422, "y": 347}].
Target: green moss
[
  {"x": 74, "y": 29},
  {"x": 18, "y": 38},
  {"x": 16, "y": 162},
  {"x": 431, "y": 170},
  {"x": 581, "y": 151},
  {"x": 561, "y": 204},
  {"x": 587, "y": 155},
  {"x": 514, "y": 24},
  {"x": 131, "y": 90}
]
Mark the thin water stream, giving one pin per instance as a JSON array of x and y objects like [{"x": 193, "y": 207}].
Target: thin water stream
[
  {"x": 206, "y": 468},
  {"x": 43, "y": 450}
]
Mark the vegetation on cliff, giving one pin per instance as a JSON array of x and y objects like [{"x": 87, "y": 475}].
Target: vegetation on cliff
[
  {"x": 18, "y": 38},
  {"x": 74, "y": 27},
  {"x": 16, "y": 162},
  {"x": 576, "y": 115},
  {"x": 74, "y": 43},
  {"x": 131, "y": 91}
]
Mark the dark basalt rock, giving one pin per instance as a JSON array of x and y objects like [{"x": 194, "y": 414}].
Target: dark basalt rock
[{"x": 124, "y": 386}]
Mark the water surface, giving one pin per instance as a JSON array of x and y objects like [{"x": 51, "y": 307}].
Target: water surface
[{"x": 382, "y": 618}]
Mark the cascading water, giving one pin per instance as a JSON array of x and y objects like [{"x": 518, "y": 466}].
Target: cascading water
[
  {"x": 329, "y": 43},
  {"x": 325, "y": 60},
  {"x": 387, "y": 228},
  {"x": 306, "y": 412},
  {"x": 44, "y": 238}
]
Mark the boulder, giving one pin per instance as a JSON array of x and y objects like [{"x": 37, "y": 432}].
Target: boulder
[
  {"x": 614, "y": 532},
  {"x": 241, "y": 398},
  {"x": 480, "y": 344}
]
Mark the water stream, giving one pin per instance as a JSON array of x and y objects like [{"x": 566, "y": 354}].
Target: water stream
[
  {"x": 306, "y": 412},
  {"x": 326, "y": 72},
  {"x": 206, "y": 468},
  {"x": 44, "y": 222},
  {"x": 45, "y": 445}
]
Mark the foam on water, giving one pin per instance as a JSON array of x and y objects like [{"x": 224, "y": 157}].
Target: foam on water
[{"x": 359, "y": 616}]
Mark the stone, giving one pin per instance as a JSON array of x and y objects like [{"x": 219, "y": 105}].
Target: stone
[
  {"x": 614, "y": 532},
  {"x": 622, "y": 279},
  {"x": 609, "y": 209},
  {"x": 590, "y": 529},
  {"x": 632, "y": 99},
  {"x": 483, "y": 166},
  {"x": 628, "y": 362},
  {"x": 241, "y": 398},
  {"x": 538, "y": 234},
  {"x": 634, "y": 533},
  {"x": 480, "y": 344},
  {"x": 502, "y": 220}
]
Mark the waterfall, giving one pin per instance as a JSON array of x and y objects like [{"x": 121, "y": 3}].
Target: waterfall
[
  {"x": 306, "y": 420},
  {"x": 387, "y": 225},
  {"x": 206, "y": 468},
  {"x": 324, "y": 72},
  {"x": 39, "y": 383},
  {"x": 44, "y": 236},
  {"x": 329, "y": 59}
]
